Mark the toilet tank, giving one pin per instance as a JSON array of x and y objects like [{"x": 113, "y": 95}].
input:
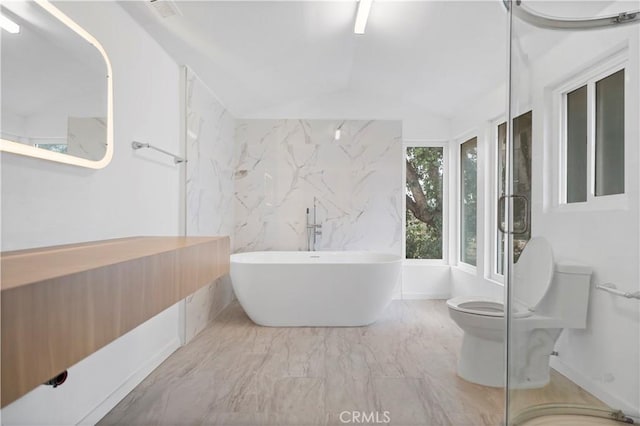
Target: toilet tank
[{"x": 568, "y": 295}]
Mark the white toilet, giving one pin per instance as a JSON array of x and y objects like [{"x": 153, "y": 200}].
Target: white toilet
[{"x": 546, "y": 301}]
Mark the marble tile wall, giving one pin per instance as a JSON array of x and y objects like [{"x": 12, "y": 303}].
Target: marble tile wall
[
  {"x": 357, "y": 181},
  {"x": 210, "y": 130}
]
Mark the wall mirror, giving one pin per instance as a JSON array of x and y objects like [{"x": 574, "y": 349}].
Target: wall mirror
[{"x": 57, "y": 98}]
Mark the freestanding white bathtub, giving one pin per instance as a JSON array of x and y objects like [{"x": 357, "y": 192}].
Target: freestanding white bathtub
[{"x": 315, "y": 289}]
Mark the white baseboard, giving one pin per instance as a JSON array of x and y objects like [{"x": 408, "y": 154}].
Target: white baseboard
[
  {"x": 424, "y": 296},
  {"x": 593, "y": 387},
  {"x": 129, "y": 384}
]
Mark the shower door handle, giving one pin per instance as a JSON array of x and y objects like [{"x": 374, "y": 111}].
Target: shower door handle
[{"x": 525, "y": 222}]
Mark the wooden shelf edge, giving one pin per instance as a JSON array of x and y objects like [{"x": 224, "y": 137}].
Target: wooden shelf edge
[{"x": 52, "y": 319}]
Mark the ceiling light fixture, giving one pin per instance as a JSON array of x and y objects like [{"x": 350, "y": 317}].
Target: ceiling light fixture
[
  {"x": 8, "y": 25},
  {"x": 165, "y": 8},
  {"x": 364, "y": 7}
]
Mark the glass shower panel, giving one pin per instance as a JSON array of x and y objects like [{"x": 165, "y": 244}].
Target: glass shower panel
[{"x": 572, "y": 346}]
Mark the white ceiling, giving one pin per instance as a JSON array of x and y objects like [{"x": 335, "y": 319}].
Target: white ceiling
[{"x": 270, "y": 59}]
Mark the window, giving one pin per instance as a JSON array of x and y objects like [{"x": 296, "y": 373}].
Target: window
[
  {"x": 594, "y": 138},
  {"x": 500, "y": 190},
  {"x": 522, "y": 151},
  {"x": 609, "y": 173},
  {"x": 468, "y": 201},
  {"x": 55, "y": 147},
  {"x": 577, "y": 145},
  {"x": 424, "y": 186}
]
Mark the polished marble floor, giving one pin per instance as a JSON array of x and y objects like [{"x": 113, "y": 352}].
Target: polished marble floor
[{"x": 237, "y": 373}]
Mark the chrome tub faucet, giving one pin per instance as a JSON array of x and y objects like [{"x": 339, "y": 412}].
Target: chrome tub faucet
[{"x": 314, "y": 229}]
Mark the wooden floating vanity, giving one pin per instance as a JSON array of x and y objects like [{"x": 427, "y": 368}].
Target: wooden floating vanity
[{"x": 61, "y": 304}]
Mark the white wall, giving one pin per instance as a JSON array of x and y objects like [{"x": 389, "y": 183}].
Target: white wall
[
  {"x": 603, "y": 359},
  {"x": 210, "y": 131},
  {"x": 45, "y": 203},
  {"x": 425, "y": 281},
  {"x": 417, "y": 122},
  {"x": 422, "y": 126}
]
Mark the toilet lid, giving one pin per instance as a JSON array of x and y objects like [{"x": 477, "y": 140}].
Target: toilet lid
[{"x": 533, "y": 272}]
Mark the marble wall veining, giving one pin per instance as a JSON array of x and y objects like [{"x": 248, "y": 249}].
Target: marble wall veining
[
  {"x": 357, "y": 180},
  {"x": 210, "y": 130}
]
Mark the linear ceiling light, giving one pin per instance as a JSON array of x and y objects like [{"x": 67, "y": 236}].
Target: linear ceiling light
[
  {"x": 364, "y": 7},
  {"x": 8, "y": 25}
]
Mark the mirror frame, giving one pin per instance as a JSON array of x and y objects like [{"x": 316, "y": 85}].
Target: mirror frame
[{"x": 31, "y": 151}]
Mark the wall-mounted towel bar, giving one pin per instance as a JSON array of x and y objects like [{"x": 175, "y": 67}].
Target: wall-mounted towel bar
[
  {"x": 611, "y": 288},
  {"x": 139, "y": 145}
]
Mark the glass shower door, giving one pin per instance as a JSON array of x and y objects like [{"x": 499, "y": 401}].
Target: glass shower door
[{"x": 571, "y": 192}]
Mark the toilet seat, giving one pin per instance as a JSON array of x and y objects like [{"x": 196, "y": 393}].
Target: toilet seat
[
  {"x": 533, "y": 273},
  {"x": 487, "y": 307}
]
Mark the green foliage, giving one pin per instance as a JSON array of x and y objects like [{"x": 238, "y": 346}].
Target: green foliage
[
  {"x": 423, "y": 241},
  {"x": 469, "y": 167},
  {"x": 55, "y": 147},
  {"x": 424, "y": 210}
]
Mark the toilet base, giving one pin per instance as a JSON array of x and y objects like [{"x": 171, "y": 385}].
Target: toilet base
[
  {"x": 530, "y": 354},
  {"x": 482, "y": 359}
]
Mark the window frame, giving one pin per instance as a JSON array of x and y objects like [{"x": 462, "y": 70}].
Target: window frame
[
  {"x": 494, "y": 162},
  {"x": 461, "y": 141},
  {"x": 589, "y": 76},
  {"x": 411, "y": 143}
]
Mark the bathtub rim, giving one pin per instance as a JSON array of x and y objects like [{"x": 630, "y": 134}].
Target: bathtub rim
[{"x": 378, "y": 258}]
